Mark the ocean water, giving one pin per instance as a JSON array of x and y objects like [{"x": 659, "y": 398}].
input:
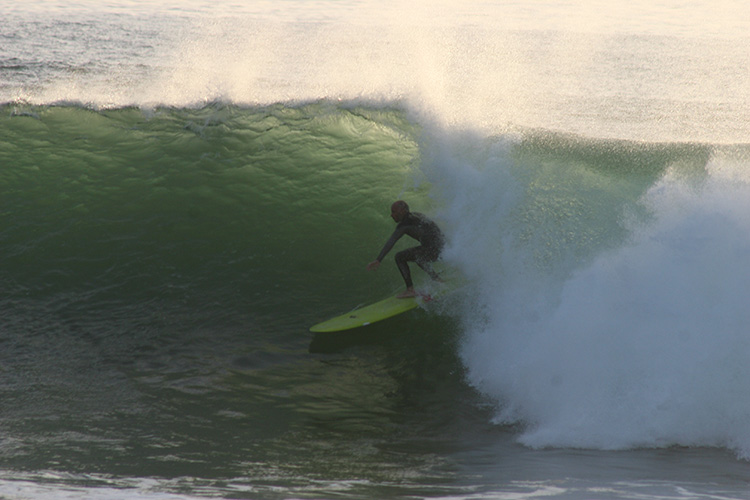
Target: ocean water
[{"x": 186, "y": 187}]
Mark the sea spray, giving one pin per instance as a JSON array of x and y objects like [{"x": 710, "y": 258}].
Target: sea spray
[{"x": 639, "y": 342}]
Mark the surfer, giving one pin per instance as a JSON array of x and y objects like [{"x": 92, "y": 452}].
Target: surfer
[{"x": 422, "y": 229}]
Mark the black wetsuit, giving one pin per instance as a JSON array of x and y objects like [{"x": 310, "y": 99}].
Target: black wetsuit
[{"x": 431, "y": 240}]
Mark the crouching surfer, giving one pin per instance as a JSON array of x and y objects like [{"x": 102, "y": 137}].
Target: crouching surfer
[{"x": 422, "y": 229}]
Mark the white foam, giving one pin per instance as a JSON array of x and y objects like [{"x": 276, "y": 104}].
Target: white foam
[{"x": 646, "y": 346}]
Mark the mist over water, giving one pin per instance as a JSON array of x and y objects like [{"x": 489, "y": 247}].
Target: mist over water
[{"x": 645, "y": 72}]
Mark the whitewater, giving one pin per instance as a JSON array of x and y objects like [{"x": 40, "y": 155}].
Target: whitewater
[{"x": 188, "y": 186}]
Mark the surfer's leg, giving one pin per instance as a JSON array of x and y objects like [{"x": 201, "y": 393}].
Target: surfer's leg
[
  {"x": 429, "y": 270},
  {"x": 424, "y": 258},
  {"x": 402, "y": 261}
]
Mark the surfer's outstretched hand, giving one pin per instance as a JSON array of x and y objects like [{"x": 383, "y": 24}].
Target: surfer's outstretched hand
[{"x": 373, "y": 265}]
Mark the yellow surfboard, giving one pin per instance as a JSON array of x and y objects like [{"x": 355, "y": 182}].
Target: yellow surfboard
[{"x": 369, "y": 314}]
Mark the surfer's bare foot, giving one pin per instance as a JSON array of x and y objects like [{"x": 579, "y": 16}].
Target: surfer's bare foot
[{"x": 407, "y": 294}]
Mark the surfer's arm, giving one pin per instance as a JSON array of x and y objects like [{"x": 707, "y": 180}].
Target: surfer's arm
[{"x": 398, "y": 233}]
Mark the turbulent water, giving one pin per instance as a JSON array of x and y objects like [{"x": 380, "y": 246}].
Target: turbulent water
[{"x": 186, "y": 188}]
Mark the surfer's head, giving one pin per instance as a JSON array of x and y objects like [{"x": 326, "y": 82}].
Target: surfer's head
[{"x": 399, "y": 210}]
